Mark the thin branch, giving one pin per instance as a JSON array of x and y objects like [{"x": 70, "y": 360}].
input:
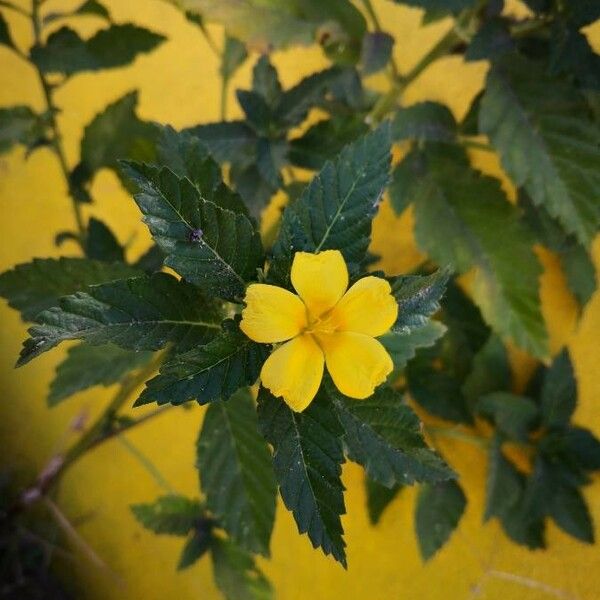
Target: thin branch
[
  {"x": 532, "y": 584},
  {"x": 146, "y": 463}
]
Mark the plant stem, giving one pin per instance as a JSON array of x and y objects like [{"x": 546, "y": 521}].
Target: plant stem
[
  {"x": 146, "y": 463},
  {"x": 57, "y": 144}
]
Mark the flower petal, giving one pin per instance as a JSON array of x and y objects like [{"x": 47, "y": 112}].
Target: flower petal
[
  {"x": 357, "y": 363},
  {"x": 367, "y": 307},
  {"x": 294, "y": 371},
  {"x": 272, "y": 314},
  {"x": 320, "y": 279}
]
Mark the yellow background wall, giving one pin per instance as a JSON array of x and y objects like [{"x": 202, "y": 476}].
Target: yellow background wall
[{"x": 179, "y": 85}]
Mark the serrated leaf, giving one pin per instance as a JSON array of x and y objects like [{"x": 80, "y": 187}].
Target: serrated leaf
[
  {"x": 454, "y": 225},
  {"x": 236, "y": 472},
  {"x": 559, "y": 392},
  {"x": 307, "y": 456},
  {"x": 324, "y": 140},
  {"x": 212, "y": 247},
  {"x": 265, "y": 81},
  {"x": 256, "y": 110},
  {"x": 236, "y": 573},
  {"x": 424, "y": 121},
  {"x": 151, "y": 261},
  {"x": 379, "y": 498},
  {"x": 20, "y": 125},
  {"x": 337, "y": 207},
  {"x": 547, "y": 145},
  {"x": 140, "y": 313},
  {"x": 402, "y": 345},
  {"x": 171, "y": 514},
  {"x": 195, "y": 546},
  {"x": 228, "y": 141},
  {"x": 117, "y": 133},
  {"x": 36, "y": 286},
  {"x": 418, "y": 297},
  {"x": 384, "y": 435},
  {"x": 118, "y": 45},
  {"x": 439, "y": 509},
  {"x": 571, "y": 513},
  {"x": 513, "y": 415},
  {"x": 87, "y": 366},
  {"x": 406, "y": 178},
  {"x": 101, "y": 243},
  {"x": 207, "y": 373}
]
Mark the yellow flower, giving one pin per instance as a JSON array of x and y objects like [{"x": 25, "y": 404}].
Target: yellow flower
[{"x": 323, "y": 324}]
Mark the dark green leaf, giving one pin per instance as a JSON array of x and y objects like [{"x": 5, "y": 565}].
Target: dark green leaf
[
  {"x": 265, "y": 82},
  {"x": 20, "y": 125},
  {"x": 236, "y": 573},
  {"x": 490, "y": 372},
  {"x": 141, "y": 313},
  {"x": 513, "y": 415},
  {"x": 151, "y": 261},
  {"x": 402, "y": 345},
  {"x": 582, "y": 12},
  {"x": 570, "y": 512},
  {"x": 425, "y": 121},
  {"x": 439, "y": 509},
  {"x": 212, "y": 247},
  {"x": 337, "y": 207},
  {"x": 236, "y": 472},
  {"x": 207, "y": 373},
  {"x": 5, "y": 37},
  {"x": 406, "y": 178},
  {"x": 376, "y": 51},
  {"x": 559, "y": 392},
  {"x": 172, "y": 514},
  {"x": 378, "y": 498},
  {"x": 324, "y": 140},
  {"x": 93, "y": 7},
  {"x": 256, "y": 110},
  {"x": 438, "y": 5},
  {"x": 490, "y": 42},
  {"x": 504, "y": 485},
  {"x": 308, "y": 459},
  {"x": 250, "y": 183},
  {"x": 65, "y": 52},
  {"x": 117, "y": 133},
  {"x": 384, "y": 435},
  {"x": 454, "y": 225},
  {"x": 584, "y": 447},
  {"x": 101, "y": 243},
  {"x": 195, "y": 546},
  {"x": 228, "y": 141},
  {"x": 36, "y": 286},
  {"x": 546, "y": 143},
  {"x": 87, "y": 366}
]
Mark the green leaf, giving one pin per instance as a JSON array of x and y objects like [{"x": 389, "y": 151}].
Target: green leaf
[
  {"x": 151, "y": 261},
  {"x": 490, "y": 372},
  {"x": 583, "y": 445},
  {"x": 212, "y": 247},
  {"x": 438, "y": 5},
  {"x": 559, "y": 392},
  {"x": 546, "y": 143},
  {"x": 308, "y": 458},
  {"x": 384, "y": 435},
  {"x": 439, "y": 509},
  {"x": 195, "y": 546},
  {"x": 376, "y": 51},
  {"x": 5, "y": 37},
  {"x": 337, "y": 207},
  {"x": 236, "y": 472},
  {"x": 236, "y": 573},
  {"x": 87, "y": 366},
  {"x": 93, "y": 7},
  {"x": 504, "y": 484},
  {"x": 425, "y": 121},
  {"x": 402, "y": 345},
  {"x": 140, "y": 313},
  {"x": 265, "y": 81},
  {"x": 454, "y": 225},
  {"x": 256, "y": 110},
  {"x": 207, "y": 373},
  {"x": 378, "y": 498},
  {"x": 117, "y": 133},
  {"x": 228, "y": 141},
  {"x": 491, "y": 41},
  {"x": 171, "y": 514},
  {"x": 513, "y": 415},
  {"x": 101, "y": 243},
  {"x": 418, "y": 297},
  {"x": 234, "y": 56},
  {"x": 36, "y": 286},
  {"x": 20, "y": 125},
  {"x": 118, "y": 45},
  {"x": 406, "y": 178},
  {"x": 324, "y": 140},
  {"x": 571, "y": 513},
  {"x": 281, "y": 23},
  {"x": 581, "y": 12}
]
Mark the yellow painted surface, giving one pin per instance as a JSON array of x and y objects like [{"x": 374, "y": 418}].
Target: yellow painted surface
[{"x": 179, "y": 85}]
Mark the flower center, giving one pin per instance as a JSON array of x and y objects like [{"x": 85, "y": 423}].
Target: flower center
[{"x": 324, "y": 324}]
